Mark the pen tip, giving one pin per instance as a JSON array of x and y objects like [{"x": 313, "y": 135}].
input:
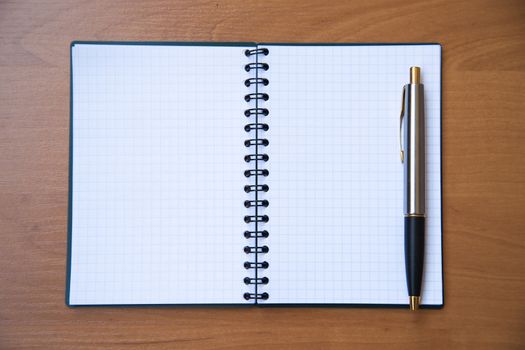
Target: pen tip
[{"x": 414, "y": 302}]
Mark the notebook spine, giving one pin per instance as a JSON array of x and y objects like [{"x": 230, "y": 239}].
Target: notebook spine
[{"x": 257, "y": 173}]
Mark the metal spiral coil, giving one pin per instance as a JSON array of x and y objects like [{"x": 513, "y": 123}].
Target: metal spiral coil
[
  {"x": 256, "y": 126},
  {"x": 256, "y": 265},
  {"x": 263, "y": 296},
  {"x": 259, "y": 202},
  {"x": 256, "y": 96},
  {"x": 256, "y": 111},
  {"x": 249, "y": 250},
  {"x": 253, "y": 142},
  {"x": 256, "y": 188},
  {"x": 257, "y": 65},
  {"x": 263, "y": 280},
  {"x": 256, "y": 234},
  {"x": 263, "y": 51},
  {"x": 252, "y": 81},
  {"x": 256, "y": 218},
  {"x": 256, "y": 172}
]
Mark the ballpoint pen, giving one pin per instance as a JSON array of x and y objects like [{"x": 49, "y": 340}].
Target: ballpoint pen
[{"x": 412, "y": 143}]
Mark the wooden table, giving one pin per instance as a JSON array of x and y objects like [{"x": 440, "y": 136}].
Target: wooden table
[{"x": 484, "y": 174}]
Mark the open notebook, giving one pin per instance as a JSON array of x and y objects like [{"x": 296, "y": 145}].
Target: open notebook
[{"x": 243, "y": 173}]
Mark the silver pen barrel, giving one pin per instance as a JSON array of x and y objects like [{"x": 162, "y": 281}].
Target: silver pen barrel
[{"x": 414, "y": 146}]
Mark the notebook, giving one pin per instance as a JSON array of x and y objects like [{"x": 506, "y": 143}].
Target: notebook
[{"x": 246, "y": 174}]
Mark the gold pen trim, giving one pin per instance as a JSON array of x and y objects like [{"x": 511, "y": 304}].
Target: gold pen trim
[
  {"x": 414, "y": 302},
  {"x": 415, "y": 215},
  {"x": 415, "y": 75}
]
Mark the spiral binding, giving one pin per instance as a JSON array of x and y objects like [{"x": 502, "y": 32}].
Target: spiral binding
[
  {"x": 256, "y": 218},
  {"x": 250, "y": 66},
  {"x": 253, "y": 142},
  {"x": 252, "y": 81},
  {"x": 256, "y": 158},
  {"x": 256, "y": 96},
  {"x": 256, "y": 172},
  {"x": 263, "y": 249},
  {"x": 256, "y": 265},
  {"x": 256, "y": 111},
  {"x": 249, "y": 280},
  {"x": 256, "y": 234},
  {"x": 260, "y": 203},
  {"x": 251, "y": 157},
  {"x": 256, "y": 126},
  {"x": 263, "y": 296}
]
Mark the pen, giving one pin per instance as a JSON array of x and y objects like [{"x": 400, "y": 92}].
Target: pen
[{"x": 412, "y": 143}]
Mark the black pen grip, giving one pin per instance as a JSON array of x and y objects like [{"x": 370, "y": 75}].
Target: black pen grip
[{"x": 414, "y": 253}]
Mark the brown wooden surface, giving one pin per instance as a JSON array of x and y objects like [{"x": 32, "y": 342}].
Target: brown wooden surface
[{"x": 484, "y": 174}]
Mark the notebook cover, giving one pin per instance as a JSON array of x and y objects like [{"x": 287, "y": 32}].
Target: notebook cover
[{"x": 234, "y": 44}]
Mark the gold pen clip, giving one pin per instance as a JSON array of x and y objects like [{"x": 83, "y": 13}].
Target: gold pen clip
[{"x": 402, "y": 153}]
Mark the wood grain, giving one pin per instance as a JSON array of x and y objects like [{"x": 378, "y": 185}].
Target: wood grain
[{"x": 484, "y": 174}]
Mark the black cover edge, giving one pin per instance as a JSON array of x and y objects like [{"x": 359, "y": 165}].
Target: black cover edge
[
  {"x": 165, "y": 43},
  {"x": 70, "y": 180},
  {"x": 351, "y": 44},
  {"x": 352, "y": 305},
  {"x": 145, "y": 306},
  {"x": 441, "y": 168},
  {"x": 265, "y": 305}
]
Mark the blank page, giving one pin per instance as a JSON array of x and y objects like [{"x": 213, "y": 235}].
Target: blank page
[
  {"x": 336, "y": 180},
  {"x": 157, "y": 174}
]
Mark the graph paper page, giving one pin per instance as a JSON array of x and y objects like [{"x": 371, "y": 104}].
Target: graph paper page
[
  {"x": 335, "y": 177},
  {"x": 157, "y": 174}
]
